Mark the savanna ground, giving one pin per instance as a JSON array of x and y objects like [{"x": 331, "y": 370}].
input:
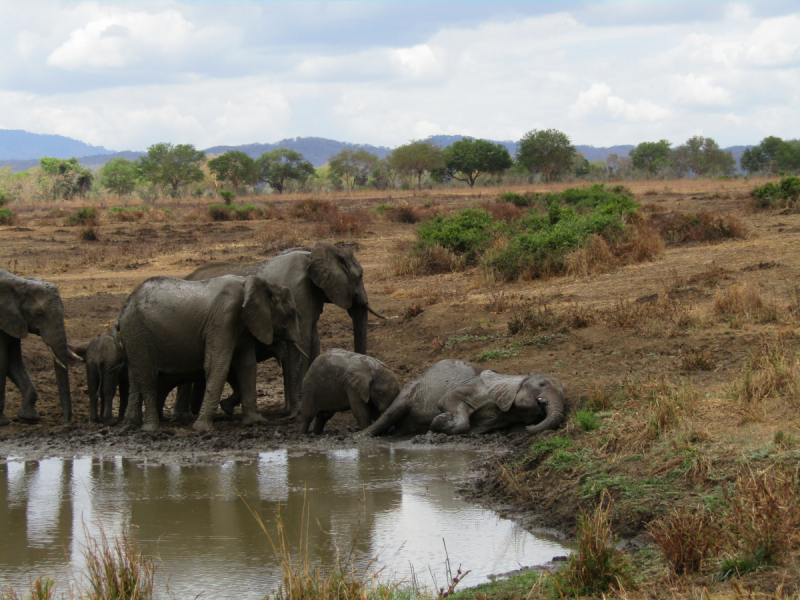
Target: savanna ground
[{"x": 682, "y": 373}]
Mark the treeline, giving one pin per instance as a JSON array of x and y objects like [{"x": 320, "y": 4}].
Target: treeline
[{"x": 542, "y": 155}]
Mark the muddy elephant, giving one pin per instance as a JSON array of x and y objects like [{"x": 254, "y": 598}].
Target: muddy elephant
[
  {"x": 29, "y": 305},
  {"x": 172, "y": 330},
  {"x": 323, "y": 274},
  {"x": 454, "y": 397},
  {"x": 106, "y": 371},
  {"x": 340, "y": 380}
]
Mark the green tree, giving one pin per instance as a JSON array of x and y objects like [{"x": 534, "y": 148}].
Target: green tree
[
  {"x": 172, "y": 166},
  {"x": 235, "y": 167},
  {"x": 547, "y": 152},
  {"x": 353, "y": 166},
  {"x": 468, "y": 159},
  {"x": 384, "y": 177},
  {"x": 651, "y": 156},
  {"x": 66, "y": 178},
  {"x": 119, "y": 176},
  {"x": 417, "y": 158},
  {"x": 277, "y": 167},
  {"x": 787, "y": 156},
  {"x": 703, "y": 157}
]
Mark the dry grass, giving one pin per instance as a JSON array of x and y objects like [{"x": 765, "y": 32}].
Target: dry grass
[
  {"x": 697, "y": 359},
  {"x": 339, "y": 223},
  {"x": 413, "y": 260},
  {"x": 772, "y": 371},
  {"x": 661, "y": 315},
  {"x": 745, "y": 301},
  {"x": 683, "y": 228},
  {"x": 117, "y": 570},
  {"x": 688, "y": 539}
]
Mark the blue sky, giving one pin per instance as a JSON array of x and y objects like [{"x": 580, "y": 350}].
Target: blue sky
[{"x": 125, "y": 75}]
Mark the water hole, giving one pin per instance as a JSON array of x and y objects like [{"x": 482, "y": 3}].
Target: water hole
[{"x": 398, "y": 504}]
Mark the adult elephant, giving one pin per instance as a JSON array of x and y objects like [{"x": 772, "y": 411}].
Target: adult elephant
[
  {"x": 454, "y": 397},
  {"x": 323, "y": 274},
  {"x": 171, "y": 330},
  {"x": 29, "y": 305}
]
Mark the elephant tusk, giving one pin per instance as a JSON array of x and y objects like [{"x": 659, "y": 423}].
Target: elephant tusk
[
  {"x": 296, "y": 345},
  {"x": 377, "y": 314},
  {"x": 74, "y": 355},
  {"x": 55, "y": 358}
]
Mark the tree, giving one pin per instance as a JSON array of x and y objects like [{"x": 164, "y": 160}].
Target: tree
[
  {"x": 651, "y": 156},
  {"x": 703, "y": 157},
  {"x": 383, "y": 175},
  {"x": 472, "y": 158},
  {"x": 279, "y": 166},
  {"x": 417, "y": 158},
  {"x": 548, "y": 153},
  {"x": 173, "y": 166},
  {"x": 771, "y": 156},
  {"x": 787, "y": 156},
  {"x": 236, "y": 167},
  {"x": 119, "y": 176},
  {"x": 66, "y": 178},
  {"x": 353, "y": 166}
]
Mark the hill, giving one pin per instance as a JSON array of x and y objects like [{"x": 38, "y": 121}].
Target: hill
[{"x": 18, "y": 145}]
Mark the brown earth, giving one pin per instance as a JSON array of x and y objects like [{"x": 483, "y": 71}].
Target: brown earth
[{"x": 462, "y": 315}]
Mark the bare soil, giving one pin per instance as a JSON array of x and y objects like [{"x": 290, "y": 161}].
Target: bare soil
[{"x": 462, "y": 315}]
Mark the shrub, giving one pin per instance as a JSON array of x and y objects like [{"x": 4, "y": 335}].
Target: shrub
[
  {"x": 127, "y": 213},
  {"x": 219, "y": 212},
  {"x": 466, "y": 233},
  {"x": 88, "y": 234},
  {"x": 5, "y": 196},
  {"x": 425, "y": 259},
  {"x": 698, "y": 359},
  {"x": 401, "y": 214},
  {"x": 84, "y": 216},
  {"x": 6, "y": 216},
  {"x": 784, "y": 194},
  {"x": 743, "y": 299},
  {"x": 681, "y": 228},
  {"x": 227, "y": 197},
  {"x": 339, "y": 223},
  {"x": 312, "y": 209},
  {"x": 596, "y": 566},
  {"x": 587, "y": 420},
  {"x": 520, "y": 200},
  {"x": 687, "y": 539}
]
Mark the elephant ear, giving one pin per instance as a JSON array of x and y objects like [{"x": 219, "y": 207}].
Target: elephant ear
[
  {"x": 358, "y": 377},
  {"x": 328, "y": 270},
  {"x": 257, "y": 308},
  {"x": 502, "y": 389},
  {"x": 11, "y": 319}
]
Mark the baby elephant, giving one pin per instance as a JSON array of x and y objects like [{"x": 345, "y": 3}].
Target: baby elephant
[
  {"x": 340, "y": 380},
  {"x": 105, "y": 370}
]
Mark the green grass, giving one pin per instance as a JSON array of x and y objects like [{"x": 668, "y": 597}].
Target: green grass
[
  {"x": 587, "y": 420},
  {"x": 6, "y": 216},
  {"x": 85, "y": 215},
  {"x": 496, "y": 354}
]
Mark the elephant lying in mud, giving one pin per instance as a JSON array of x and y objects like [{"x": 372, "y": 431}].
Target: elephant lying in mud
[
  {"x": 340, "y": 380},
  {"x": 29, "y": 305},
  {"x": 105, "y": 371},
  {"x": 454, "y": 397}
]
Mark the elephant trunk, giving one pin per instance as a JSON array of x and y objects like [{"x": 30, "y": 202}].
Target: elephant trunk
[
  {"x": 54, "y": 335},
  {"x": 359, "y": 315},
  {"x": 553, "y": 419}
]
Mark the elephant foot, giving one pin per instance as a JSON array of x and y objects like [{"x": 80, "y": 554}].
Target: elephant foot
[
  {"x": 111, "y": 422},
  {"x": 203, "y": 425},
  {"x": 183, "y": 418},
  {"x": 28, "y": 415},
  {"x": 227, "y": 405},
  {"x": 446, "y": 423},
  {"x": 4, "y": 420},
  {"x": 151, "y": 426},
  {"x": 254, "y": 419}
]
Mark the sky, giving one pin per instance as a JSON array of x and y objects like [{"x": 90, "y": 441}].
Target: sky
[{"x": 126, "y": 74}]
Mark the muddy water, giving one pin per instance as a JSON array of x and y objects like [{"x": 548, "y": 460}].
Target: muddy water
[{"x": 397, "y": 504}]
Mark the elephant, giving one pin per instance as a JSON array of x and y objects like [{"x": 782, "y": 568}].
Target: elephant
[
  {"x": 172, "y": 331},
  {"x": 30, "y": 305},
  {"x": 455, "y": 397},
  {"x": 106, "y": 370},
  {"x": 322, "y": 274},
  {"x": 340, "y": 380}
]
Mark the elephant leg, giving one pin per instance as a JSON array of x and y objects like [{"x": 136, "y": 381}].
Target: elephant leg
[
  {"x": 295, "y": 367},
  {"x": 124, "y": 391},
  {"x": 133, "y": 412},
  {"x": 305, "y": 422},
  {"x": 455, "y": 416},
  {"x": 93, "y": 385},
  {"x": 245, "y": 368},
  {"x": 109, "y": 390},
  {"x": 323, "y": 416},
  {"x": 217, "y": 364},
  {"x": 22, "y": 379},
  {"x": 228, "y": 404},
  {"x": 198, "y": 391},
  {"x": 183, "y": 403},
  {"x": 359, "y": 408},
  {"x": 4, "y": 420}
]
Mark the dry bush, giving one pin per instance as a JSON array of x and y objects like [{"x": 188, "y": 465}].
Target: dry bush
[
  {"x": 594, "y": 257},
  {"x": 658, "y": 315},
  {"x": 412, "y": 310},
  {"x": 703, "y": 226},
  {"x": 127, "y": 214},
  {"x": 88, "y": 234},
  {"x": 687, "y": 538},
  {"x": 642, "y": 243},
  {"x": 500, "y": 301},
  {"x": 403, "y": 214},
  {"x": 763, "y": 516},
  {"x": 771, "y": 371},
  {"x": 503, "y": 211},
  {"x": 745, "y": 300},
  {"x": 533, "y": 316},
  {"x": 697, "y": 359},
  {"x": 312, "y": 209},
  {"x": 338, "y": 223},
  {"x": 600, "y": 397},
  {"x": 413, "y": 259},
  {"x": 596, "y": 566}
]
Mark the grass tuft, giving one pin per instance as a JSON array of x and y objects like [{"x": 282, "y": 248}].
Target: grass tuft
[
  {"x": 744, "y": 300},
  {"x": 118, "y": 570},
  {"x": 687, "y": 538}
]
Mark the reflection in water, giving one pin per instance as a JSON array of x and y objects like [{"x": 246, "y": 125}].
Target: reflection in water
[{"x": 391, "y": 502}]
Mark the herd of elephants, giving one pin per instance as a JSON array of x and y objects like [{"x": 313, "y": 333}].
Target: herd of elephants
[{"x": 218, "y": 323}]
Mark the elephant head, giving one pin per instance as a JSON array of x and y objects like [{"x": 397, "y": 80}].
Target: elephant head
[
  {"x": 539, "y": 398},
  {"x": 29, "y": 305},
  {"x": 269, "y": 311},
  {"x": 337, "y": 272},
  {"x": 374, "y": 382}
]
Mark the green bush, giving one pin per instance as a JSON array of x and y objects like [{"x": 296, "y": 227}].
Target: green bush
[
  {"x": 219, "y": 212},
  {"x": 522, "y": 200},
  {"x": 227, "y": 197},
  {"x": 466, "y": 233},
  {"x": 587, "y": 419},
  {"x": 6, "y": 216},
  {"x": 84, "y": 216},
  {"x": 785, "y": 193},
  {"x": 4, "y": 197}
]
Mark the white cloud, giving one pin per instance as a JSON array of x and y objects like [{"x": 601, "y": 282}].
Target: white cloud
[
  {"x": 693, "y": 90},
  {"x": 599, "y": 101},
  {"x": 775, "y": 42},
  {"x": 418, "y": 61}
]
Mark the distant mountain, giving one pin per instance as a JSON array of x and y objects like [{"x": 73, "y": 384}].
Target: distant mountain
[
  {"x": 314, "y": 149},
  {"x": 16, "y": 144}
]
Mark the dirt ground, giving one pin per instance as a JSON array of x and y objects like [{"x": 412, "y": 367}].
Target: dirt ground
[{"x": 460, "y": 315}]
